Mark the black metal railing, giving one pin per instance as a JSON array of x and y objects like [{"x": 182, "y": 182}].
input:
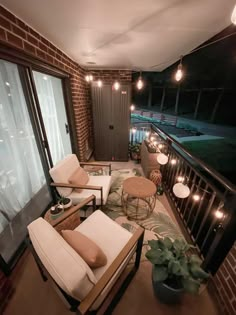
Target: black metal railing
[{"x": 207, "y": 215}]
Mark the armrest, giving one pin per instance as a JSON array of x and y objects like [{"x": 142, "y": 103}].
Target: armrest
[
  {"x": 96, "y": 164},
  {"x": 76, "y": 186},
  {"x": 86, "y": 304},
  {"x": 75, "y": 209}
]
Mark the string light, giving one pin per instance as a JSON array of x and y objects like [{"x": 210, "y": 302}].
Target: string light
[
  {"x": 132, "y": 107},
  {"x": 219, "y": 214},
  {"x": 152, "y": 138},
  {"x": 147, "y": 133},
  {"x": 173, "y": 161},
  {"x": 180, "y": 179},
  {"x": 179, "y": 72},
  {"x": 196, "y": 197},
  {"x": 116, "y": 85},
  {"x": 90, "y": 77},
  {"x": 160, "y": 146},
  {"x": 134, "y": 130},
  {"x": 233, "y": 16},
  {"x": 140, "y": 82},
  {"x": 99, "y": 83}
]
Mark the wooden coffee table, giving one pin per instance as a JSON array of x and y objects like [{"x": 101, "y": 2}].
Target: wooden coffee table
[{"x": 138, "y": 197}]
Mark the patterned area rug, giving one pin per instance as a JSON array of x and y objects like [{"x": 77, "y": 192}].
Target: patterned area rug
[{"x": 158, "y": 224}]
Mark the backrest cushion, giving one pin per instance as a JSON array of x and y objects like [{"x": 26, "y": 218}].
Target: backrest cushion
[
  {"x": 61, "y": 172},
  {"x": 62, "y": 262},
  {"x": 86, "y": 248},
  {"x": 79, "y": 177}
]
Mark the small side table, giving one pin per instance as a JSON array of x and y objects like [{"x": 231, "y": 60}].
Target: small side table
[
  {"x": 68, "y": 224},
  {"x": 138, "y": 197}
]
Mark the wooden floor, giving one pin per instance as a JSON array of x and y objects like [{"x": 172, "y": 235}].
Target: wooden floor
[{"x": 32, "y": 296}]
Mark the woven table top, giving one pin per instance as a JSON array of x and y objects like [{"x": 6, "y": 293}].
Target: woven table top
[{"x": 139, "y": 187}]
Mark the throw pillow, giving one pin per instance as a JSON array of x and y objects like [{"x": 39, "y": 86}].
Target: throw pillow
[
  {"x": 79, "y": 177},
  {"x": 86, "y": 248}
]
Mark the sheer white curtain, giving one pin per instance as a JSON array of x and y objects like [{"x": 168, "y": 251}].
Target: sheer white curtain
[
  {"x": 49, "y": 91},
  {"x": 21, "y": 173}
]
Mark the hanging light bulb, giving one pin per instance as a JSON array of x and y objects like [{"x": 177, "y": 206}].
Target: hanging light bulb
[
  {"x": 196, "y": 197},
  {"x": 99, "y": 83},
  {"x": 90, "y": 77},
  {"x": 134, "y": 130},
  {"x": 179, "y": 72},
  {"x": 219, "y": 214},
  {"x": 180, "y": 179},
  {"x": 160, "y": 146},
  {"x": 233, "y": 16},
  {"x": 87, "y": 78},
  {"x": 140, "y": 82},
  {"x": 132, "y": 108},
  {"x": 116, "y": 85},
  {"x": 173, "y": 161}
]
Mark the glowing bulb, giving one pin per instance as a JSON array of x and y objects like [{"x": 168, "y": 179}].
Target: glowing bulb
[
  {"x": 196, "y": 197},
  {"x": 173, "y": 161},
  {"x": 219, "y": 214},
  {"x": 152, "y": 138},
  {"x": 140, "y": 83},
  {"x": 99, "y": 83},
  {"x": 147, "y": 133},
  {"x": 179, "y": 74},
  {"x": 233, "y": 16},
  {"x": 87, "y": 78},
  {"x": 132, "y": 107},
  {"x": 90, "y": 77},
  {"x": 9, "y": 94},
  {"x": 134, "y": 130},
  {"x": 155, "y": 142},
  {"x": 116, "y": 85},
  {"x": 180, "y": 179},
  {"x": 160, "y": 146},
  {"x": 7, "y": 83},
  {"x": 45, "y": 77}
]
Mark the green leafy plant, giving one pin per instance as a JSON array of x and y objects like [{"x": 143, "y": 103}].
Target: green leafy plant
[
  {"x": 63, "y": 200},
  {"x": 175, "y": 265}
]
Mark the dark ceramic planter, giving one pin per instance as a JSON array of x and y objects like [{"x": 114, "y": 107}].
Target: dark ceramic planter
[{"x": 166, "y": 294}]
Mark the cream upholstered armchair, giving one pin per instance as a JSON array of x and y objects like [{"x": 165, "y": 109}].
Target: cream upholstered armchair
[
  {"x": 84, "y": 289},
  {"x": 73, "y": 182}
]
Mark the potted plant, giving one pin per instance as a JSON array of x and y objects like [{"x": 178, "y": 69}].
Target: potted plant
[
  {"x": 175, "y": 269},
  {"x": 65, "y": 202},
  {"x": 134, "y": 150}
]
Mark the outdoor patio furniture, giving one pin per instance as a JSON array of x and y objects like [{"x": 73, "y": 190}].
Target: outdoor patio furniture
[
  {"x": 82, "y": 288},
  {"x": 97, "y": 185},
  {"x": 138, "y": 197}
]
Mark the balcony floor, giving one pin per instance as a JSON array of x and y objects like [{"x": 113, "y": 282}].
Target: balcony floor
[{"x": 33, "y": 296}]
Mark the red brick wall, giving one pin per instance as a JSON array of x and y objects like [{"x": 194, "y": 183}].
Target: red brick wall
[
  {"x": 223, "y": 284},
  {"x": 110, "y": 76}
]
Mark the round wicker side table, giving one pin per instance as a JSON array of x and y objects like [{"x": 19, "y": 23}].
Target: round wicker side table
[{"x": 138, "y": 198}]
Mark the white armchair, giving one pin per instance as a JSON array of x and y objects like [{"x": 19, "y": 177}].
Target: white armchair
[
  {"x": 84, "y": 289},
  {"x": 96, "y": 185}
]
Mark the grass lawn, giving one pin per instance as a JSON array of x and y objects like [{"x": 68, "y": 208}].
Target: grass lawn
[{"x": 219, "y": 154}]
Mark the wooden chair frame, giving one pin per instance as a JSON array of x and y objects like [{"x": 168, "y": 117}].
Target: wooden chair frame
[
  {"x": 83, "y": 307},
  {"x": 100, "y": 188}
]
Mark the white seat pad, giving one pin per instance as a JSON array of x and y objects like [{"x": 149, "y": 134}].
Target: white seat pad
[{"x": 104, "y": 181}]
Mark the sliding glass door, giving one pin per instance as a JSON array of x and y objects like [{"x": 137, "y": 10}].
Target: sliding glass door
[
  {"x": 23, "y": 190},
  {"x": 52, "y": 107}
]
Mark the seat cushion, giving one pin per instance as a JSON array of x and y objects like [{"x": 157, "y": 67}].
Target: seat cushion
[
  {"x": 79, "y": 177},
  {"x": 86, "y": 248},
  {"x": 62, "y": 262},
  {"x": 62, "y": 171},
  {"x": 111, "y": 238},
  {"x": 104, "y": 181}
]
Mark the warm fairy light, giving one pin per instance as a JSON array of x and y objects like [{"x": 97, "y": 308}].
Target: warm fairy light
[
  {"x": 173, "y": 161},
  {"x": 155, "y": 142},
  {"x": 196, "y": 197},
  {"x": 160, "y": 146},
  {"x": 134, "y": 130},
  {"x": 219, "y": 214},
  {"x": 87, "y": 78},
  {"x": 152, "y": 138},
  {"x": 7, "y": 83},
  {"x": 90, "y": 77},
  {"x": 147, "y": 133},
  {"x": 132, "y": 107},
  {"x": 179, "y": 72},
  {"x": 233, "y": 16},
  {"x": 180, "y": 179},
  {"x": 116, "y": 85},
  {"x": 140, "y": 83},
  {"x": 99, "y": 83},
  {"x": 45, "y": 77}
]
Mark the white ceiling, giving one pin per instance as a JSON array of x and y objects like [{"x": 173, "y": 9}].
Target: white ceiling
[{"x": 134, "y": 34}]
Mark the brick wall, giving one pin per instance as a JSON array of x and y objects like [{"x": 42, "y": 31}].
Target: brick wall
[
  {"x": 110, "y": 76},
  {"x": 223, "y": 284}
]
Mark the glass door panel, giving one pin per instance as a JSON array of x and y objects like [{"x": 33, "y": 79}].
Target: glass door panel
[
  {"x": 23, "y": 190},
  {"x": 52, "y": 105}
]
